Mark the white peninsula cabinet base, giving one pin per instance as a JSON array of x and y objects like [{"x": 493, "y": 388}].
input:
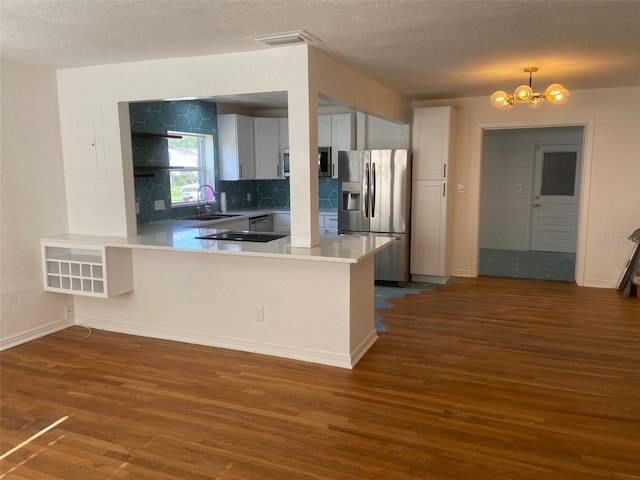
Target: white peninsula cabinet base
[
  {"x": 311, "y": 304},
  {"x": 91, "y": 270},
  {"x": 314, "y": 311}
]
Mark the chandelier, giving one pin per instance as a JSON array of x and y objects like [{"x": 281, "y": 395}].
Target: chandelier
[{"x": 555, "y": 93}]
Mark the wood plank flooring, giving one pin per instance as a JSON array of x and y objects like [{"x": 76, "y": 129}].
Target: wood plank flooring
[{"x": 488, "y": 379}]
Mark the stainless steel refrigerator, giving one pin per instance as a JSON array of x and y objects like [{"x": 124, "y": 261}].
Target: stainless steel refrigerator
[{"x": 374, "y": 196}]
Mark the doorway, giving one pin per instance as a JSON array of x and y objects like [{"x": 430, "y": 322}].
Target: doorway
[{"x": 529, "y": 202}]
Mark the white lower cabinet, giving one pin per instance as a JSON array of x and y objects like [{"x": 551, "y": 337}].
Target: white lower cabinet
[
  {"x": 87, "y": 269},
  {"x": 428, "y": 229},
  {"x": 282, "y": 222},
  {"x": 328, "y": 224}
]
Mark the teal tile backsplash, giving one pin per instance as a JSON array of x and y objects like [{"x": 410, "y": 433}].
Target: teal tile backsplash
[
  {"x": 191, "y": 116},
  {"x": 275, "y": 193},
  {"x": 199, "y": 117}
]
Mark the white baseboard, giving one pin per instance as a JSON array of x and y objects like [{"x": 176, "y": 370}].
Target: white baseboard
[
  {"x": 24, "y": 337},
  {"x": 361, "y": 349},
  {"x": 463, "y": 273},
  {"x": 598, "y": 283},
  {"x": 284, "y": 351},
  {"x": 430, "y": 279}
]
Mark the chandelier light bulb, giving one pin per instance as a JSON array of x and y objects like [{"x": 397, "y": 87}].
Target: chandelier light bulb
[
  {"x": 557, "y": 94},
  {"x": 500, "y": 99},
  {"x": 523, "y": 93}
]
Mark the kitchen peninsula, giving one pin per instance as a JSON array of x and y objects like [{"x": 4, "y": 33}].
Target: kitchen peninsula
[{"x": 312, "y": 304}]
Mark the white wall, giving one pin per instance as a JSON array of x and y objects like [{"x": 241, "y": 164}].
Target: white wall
[
  {"x": 32, "y": 202},
  {"x": 610, "y": 212},
  {"x": 507, "y": 182},
  {"x": 98, "y": 165}
]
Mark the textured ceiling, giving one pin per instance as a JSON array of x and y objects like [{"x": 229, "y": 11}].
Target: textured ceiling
[{"x": 419, "y": 48}]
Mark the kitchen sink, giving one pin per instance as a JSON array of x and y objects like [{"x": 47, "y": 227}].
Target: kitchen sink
[
  {"x": 243, "y": 236},
  {"x": 212, "y": 216}
]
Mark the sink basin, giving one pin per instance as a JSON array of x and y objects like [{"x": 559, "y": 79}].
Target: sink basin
[
  {"x": 243, "y": 236},
  {"x": 212, "y": 216}
]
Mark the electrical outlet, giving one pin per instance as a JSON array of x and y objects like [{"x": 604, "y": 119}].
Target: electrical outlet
[
  {"x": 259, "y": 314},
  {"x": 137, "y": 208},
  {"x": 248, "y": 197},
  {"x": 159, "y": 204},
  {"x": 68, "y": 312}
]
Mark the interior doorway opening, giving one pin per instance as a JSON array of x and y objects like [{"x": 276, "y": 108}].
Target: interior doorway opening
[{"x": 529, "y": 202}]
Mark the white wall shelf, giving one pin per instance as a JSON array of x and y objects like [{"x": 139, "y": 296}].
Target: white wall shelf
[{"x": 87, "y": 270}]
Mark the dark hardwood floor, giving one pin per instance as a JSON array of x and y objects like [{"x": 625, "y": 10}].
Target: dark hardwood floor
[{"x": 488, "y": 379}]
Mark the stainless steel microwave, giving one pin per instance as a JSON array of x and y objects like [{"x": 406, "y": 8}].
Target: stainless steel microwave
[{"x": 324, "y": 162}]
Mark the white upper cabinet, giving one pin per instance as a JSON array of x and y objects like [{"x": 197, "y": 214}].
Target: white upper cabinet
[
  {"x": 343, "y": 137},
  {"x": 431, "y": 142},
  {"x": 283, "y": 126},
  {"x": 266, "y": 133},
  {"x": 236, "y": 142},
  {"x": 324, "y": 131}
]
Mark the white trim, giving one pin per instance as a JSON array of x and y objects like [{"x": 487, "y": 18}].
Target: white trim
[
  {"x": 599, "y": 283},
  {"x": 35, "y": 333},
  {"x": 462, "y": 273},
  {"x": 303, "y": 354},
  {"x": 364, "y": 346},
  {"x": 585, "y": 186}
]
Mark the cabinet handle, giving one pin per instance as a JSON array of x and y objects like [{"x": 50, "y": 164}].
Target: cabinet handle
[
  {"x": 240, "y": 176},
  {"x": 444, "y": 171},
  {"x": 444, "y": 189}
]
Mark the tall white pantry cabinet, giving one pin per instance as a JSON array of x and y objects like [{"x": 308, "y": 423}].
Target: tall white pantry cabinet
[{"x": 433, "y": 129}]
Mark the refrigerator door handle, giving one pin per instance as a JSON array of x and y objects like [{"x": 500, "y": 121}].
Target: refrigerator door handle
[
  {"x": 373, "y": 189},
  {"x": 366, "y": 190}
]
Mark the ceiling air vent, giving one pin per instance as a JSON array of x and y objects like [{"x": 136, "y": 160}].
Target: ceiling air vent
[{"x": 287, "y": 38}]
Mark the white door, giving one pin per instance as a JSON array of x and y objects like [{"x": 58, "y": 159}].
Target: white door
[{"x": 556, "y": 190}]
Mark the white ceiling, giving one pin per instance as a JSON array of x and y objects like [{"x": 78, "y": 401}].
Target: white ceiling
[{"x": 424, "y": 49}]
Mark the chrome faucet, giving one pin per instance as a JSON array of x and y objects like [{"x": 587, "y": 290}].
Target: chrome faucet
[{"x": 213, "y": 194}]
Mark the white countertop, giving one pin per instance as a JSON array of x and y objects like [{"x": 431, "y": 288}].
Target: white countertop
[{"x": 177, "y": 235}]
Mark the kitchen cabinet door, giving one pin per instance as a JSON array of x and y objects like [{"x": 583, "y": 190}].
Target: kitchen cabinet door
[
  {"x": 343, "y": 137},
  {"x": 429, "y": 229},
  {"x": 235, "y": 137},
  {"x": 432, "y": 140},
  {"x": 324, "y": 131},
  {"x": 283, "y": 130},
  {"x": 267, "y": 148},
  {"x": 281, "y": 222},
  {"x": 328, "y": 224}
]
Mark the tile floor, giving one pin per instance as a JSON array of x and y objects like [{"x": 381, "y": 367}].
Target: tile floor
[{"x": 528, "y": 264}]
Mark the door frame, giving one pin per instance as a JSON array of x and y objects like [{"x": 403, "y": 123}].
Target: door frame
[{"x": 585, "y": 186}]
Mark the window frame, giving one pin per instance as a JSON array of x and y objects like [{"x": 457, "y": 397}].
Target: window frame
[{"x": 205, "y": 166}]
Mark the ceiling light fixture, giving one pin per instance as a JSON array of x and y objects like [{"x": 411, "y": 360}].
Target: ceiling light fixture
[
  {"x": 555, "y": 93},
  {"x": 287, "y": 38}
]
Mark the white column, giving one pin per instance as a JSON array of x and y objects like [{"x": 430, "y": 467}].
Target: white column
[{"x": 303, "y": 150}]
